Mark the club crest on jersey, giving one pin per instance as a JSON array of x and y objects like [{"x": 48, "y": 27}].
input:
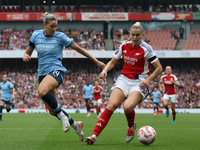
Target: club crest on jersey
[{"x": 54, "y": 41}]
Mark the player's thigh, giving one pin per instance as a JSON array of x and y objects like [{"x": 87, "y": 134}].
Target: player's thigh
[
  {"x": 133, "y": 99},
  {"x": 48, "y": 84},
  {"x": 116, "y": 98},
  {"x": 173, "y": 106},
  {"x": 2, "y": 103}
]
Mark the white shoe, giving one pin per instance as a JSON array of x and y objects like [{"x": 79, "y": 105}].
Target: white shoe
[
  {"x": 130, "y": 133},
  {"x": 88, "y": 115},
  {"x": 78, "y": 130},
  {"x": 64, "y": 121}
]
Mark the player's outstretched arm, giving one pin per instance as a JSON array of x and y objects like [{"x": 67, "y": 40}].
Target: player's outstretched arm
[
  {"x": 88, "y": 55},
  {"x": 108, "y": 67},
  {"x": 27, "y": 54}
]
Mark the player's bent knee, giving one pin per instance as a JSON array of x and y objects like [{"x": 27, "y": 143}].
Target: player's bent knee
[
  {"x": 42, "y": 92},
  {"x": 112, "y": 107},
  {"x": 52, "y": 113}
]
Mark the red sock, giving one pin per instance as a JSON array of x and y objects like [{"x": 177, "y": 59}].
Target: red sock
[
  {"x": 174, "y": 115},
  {"x": 166, "y": 107},
  {"x": 46, "y": 110},
  {"x": 130, "y": 118},
  {"x": 102, "y": 122}
]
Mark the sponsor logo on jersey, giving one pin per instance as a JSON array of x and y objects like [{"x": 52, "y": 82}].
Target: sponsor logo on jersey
[
  {"x": 54, "y": 41},
  {"x": 137, "y": 54},
  {"x": 56, "y": 73},
  {"x": 98, "y": 124}
]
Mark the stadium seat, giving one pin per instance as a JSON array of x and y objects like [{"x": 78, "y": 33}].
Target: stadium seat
[
  {"x": 17, "y": 9},
  {"x": 69, "y": 9},
  {"x": 57, "y": 9},
  {"x": 75, "y": 9},
  {"x": 81, "y": 9},
  {"x": 13, "y": 9},
  {"x": 24, "y": 9},
  {"x": 8, "y": 9},
  {"x": 90, "y": 9},
  {"x": 36, "y": 9},
  {"x": 63, "y": 9},
  {"x": 42, "y": 9},
  {"x": 30, "y": 9},
  {"x": 86, "y": 9}
]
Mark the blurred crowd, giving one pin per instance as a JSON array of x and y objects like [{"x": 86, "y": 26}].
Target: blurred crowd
[
  {"x": 173, "y": 8},
  {"x": 187, "y": 94},
  {"x": 69, "y": 94},
  {"x": 90, "y": 39}
]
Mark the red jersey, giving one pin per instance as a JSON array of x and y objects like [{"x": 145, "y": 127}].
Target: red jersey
[
  {"x": 168, "y": 85},
  {"x": 136, "y": 60},
  {"x": 97, "y": 92}
]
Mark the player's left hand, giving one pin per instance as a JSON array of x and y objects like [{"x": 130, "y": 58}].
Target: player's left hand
[
  {"x": 100, "y": 64},
  {"x": 143, "y": 85}
]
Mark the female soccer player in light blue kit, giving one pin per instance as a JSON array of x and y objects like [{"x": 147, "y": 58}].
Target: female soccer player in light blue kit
[
  {"x": 49, "y": 46},
  {"x": 156, "y": 99},
  {"x": 7, "y": 94}
]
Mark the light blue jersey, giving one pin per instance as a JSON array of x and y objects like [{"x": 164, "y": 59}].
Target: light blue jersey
[
  {"x": 6, "y": 91},
  {"x": 155, "y": 98},
  {"x": 88, "y": 90},
  {"x": 49, "y": 50}
]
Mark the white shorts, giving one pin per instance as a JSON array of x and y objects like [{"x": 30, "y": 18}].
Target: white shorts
[
  {"x": 97, "y": 102},
  {"x": 171, "y": 98},
  {"x": 129, "y": 85}
]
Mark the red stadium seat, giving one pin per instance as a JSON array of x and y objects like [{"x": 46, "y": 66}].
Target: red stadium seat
[
  {"x": 30, "y": 9},
  {"x": 94, "y": 9},
  {"x": 8, "y": 9},
  {"x": 13, "y": 9},
  {"x": 63, "y": 9},
  {"x": 17, "y": 9},
  {"x": 57, "y": 9},
  {"x": 90, "y": 9},
  {"x": 69, "y": 9},
  {"x": 36, "y": 9},
  {"x": 81, "y": 9},
  {"x": 24, "y": 9},
  {"x": 42, "y": 9},
  {"x": 75, "y": 9},
  {"x": 86, "y": 9}
]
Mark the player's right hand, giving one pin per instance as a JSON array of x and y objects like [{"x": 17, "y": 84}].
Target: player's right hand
[
  {"x": 103, "y": 74},
  {"x": 26, "y": 57}
]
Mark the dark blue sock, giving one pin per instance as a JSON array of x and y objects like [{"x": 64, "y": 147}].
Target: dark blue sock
[
  {"x": 71, "y": 121},
  {"x": 1, "y": 108},
  {"x": 154, "y": 108},
  {"x": 8, "y": 110},
  {"x": 52, "y": 102}
]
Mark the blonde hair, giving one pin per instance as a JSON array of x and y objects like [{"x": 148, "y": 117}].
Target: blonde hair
[
  {"x": 136, "y": 25},
  {"x": 48, "y": 17}
]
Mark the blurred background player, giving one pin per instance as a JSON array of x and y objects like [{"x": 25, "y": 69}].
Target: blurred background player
[
  {"x": 49, "y": 45},
  {"x": 156, "y": 99},
  {"x": 87, "y": 90},
  {"x": 132, "y": 84},
  {"x": 97, "y": 92},
  {"x": 168, "y": 80},
  {"x": 6, "y": 95}
]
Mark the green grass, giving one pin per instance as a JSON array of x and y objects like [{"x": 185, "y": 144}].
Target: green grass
[{"x": 44, "y": 132}]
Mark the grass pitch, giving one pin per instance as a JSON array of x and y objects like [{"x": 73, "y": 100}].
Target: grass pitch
[{"x": 44, "y": 132}]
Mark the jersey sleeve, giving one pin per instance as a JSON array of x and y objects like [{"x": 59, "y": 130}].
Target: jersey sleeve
[
  {"x": 11, "y": 86},
  {"x": 118, "y": 53},
  {"x": 66, "y": 41},
  {"x": 32, "y": 41},
  {"x": 161, "y": 79},
  {"x": 150, "y": 55},
  {"x": 175, "y": 78}
]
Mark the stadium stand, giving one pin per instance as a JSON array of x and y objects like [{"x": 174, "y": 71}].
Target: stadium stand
[
  {"x": 91, "y": 39},
  {"x": 158, "y": 39},
  {"x": 188, "y": 93},
  {"x": 69, "y": 94},
  {"x": 193, "y": 39}
]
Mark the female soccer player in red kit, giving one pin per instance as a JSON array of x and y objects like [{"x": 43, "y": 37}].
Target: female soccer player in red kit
[
  {"x": 169, "y": 80},
  {"x": 96, "y": 91},
  {"x": 133, "y": 82}
]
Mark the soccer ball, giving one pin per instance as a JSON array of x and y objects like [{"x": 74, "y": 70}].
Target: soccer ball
[{"x": 146, "y": 135}]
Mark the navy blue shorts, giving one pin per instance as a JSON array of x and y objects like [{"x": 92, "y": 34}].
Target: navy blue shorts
[
  {"x": 57, "y": 74},
  {"x": 156, "y": 103},
  {"x": 7, "y": 102},
  {"x": 87, "y": 99}
]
